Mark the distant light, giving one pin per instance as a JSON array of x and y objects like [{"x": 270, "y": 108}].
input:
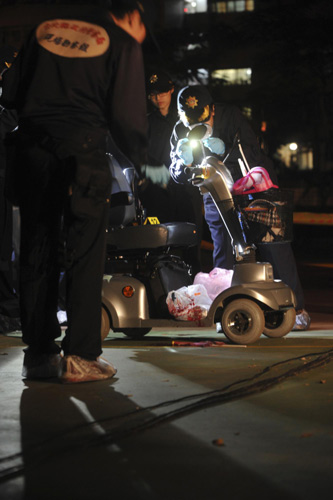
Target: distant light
[
  {"x": 194, "y": 144},
  {"x": 185, "y": 9},
  {"x": 194, "y": 4},
  {"x": 293, "y": 146}
]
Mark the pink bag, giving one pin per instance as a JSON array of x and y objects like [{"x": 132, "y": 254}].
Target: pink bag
[
  {"x": 255, "y": 181},
  {"x": 215, "y": 282}
]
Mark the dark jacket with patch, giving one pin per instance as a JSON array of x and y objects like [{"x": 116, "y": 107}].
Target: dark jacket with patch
[{"x": 81, "y": 71}]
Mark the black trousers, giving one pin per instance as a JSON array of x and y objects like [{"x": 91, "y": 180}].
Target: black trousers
[
  {"x": 64, "y": 208},
  {"x": 222, "y": 254}
]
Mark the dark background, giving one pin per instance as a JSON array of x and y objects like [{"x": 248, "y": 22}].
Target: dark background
[
  {"x": 288, "y": 45},
  {"x": 289, "y": 48}
]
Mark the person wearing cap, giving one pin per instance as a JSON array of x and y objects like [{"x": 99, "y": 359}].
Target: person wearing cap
[
  {"x": 78, "y": 85},
  {"x": 195, "y": 105},
  {"x": 161, "y": 119},
  {"x": 160, "y": 195}
]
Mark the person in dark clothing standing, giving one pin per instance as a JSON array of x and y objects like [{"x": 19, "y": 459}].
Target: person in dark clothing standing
[
  {"x": 195, "y": 105},
  {"x": 9, "y": 306},
  {"x": 77, "y": 84},
  {"x": 161, "y": 120},
  {"x": 154, "y": 189},
  {"x": 160, "y": 195}
]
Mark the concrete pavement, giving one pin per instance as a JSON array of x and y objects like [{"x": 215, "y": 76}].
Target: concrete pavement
[
  {"x": 176, "y": 422},
  {"x": 179, "y": 422}
]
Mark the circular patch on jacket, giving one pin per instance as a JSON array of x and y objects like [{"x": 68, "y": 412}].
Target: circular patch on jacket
[{"x": 71, "y": 38}]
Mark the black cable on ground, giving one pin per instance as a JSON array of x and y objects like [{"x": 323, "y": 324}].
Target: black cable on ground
[
  {"x": 208, "y": 399},
  {"x": 215, "y": 397}
]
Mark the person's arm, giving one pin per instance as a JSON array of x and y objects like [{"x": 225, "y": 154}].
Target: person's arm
[
  {"x": 248, "y": 138},
  {"x": 8, "y": 121},
  {"x": 9, "y": 87},
  {"x": 177, "y": 166},
  {"x": 251, "y": 147},
  {"x": 16, "y": 79}
]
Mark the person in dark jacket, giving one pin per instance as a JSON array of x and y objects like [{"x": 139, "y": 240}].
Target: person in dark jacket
[
  {"x": 195, "y": 105},
  {"x": 160, "y": 195},
  {"x": 161, "y": 120},
  {"x": 78, "y": 86},
  {"x": 154, "y": 189}
]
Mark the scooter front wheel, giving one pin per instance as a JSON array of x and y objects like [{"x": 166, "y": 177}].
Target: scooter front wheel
[
  {"x": 135, "y": 333},
  {"x": 279, "y": 323},
  {"x": 243, "y": 321}
]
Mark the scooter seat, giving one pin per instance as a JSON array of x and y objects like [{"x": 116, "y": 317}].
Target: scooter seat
[{"x": 170, "y": 234}]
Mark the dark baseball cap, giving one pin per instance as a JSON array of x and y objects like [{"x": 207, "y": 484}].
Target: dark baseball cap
[
  {"x": 194, "y": 104},
  {"x": 158, "y": 82}
]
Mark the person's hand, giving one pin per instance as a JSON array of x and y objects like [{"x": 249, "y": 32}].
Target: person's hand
[
  {"x": 215, "y": 145},
  {"x": 157, "y": 175},
  {"x": 184, "y": 151}
]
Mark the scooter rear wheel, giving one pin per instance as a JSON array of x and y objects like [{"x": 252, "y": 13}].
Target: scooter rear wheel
[
  {"x": 243, "y": 321},
  {"x": 279, "y": 323},
  {"x": 105, "y": 324}
]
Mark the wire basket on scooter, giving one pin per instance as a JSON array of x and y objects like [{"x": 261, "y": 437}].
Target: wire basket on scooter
[{"x": 267, "y": 216}]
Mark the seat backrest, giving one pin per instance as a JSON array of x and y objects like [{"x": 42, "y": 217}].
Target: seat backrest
[{"x": 122, "y": 202}]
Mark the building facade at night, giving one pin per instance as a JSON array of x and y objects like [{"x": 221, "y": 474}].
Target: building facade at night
[{"x": 272, "y": 58}]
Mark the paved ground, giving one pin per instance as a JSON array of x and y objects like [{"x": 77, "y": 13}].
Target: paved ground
[{"x": 179, "y": 422}]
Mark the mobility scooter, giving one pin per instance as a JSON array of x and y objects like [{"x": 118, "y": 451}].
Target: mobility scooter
[{"x": 142, "y": 267}]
